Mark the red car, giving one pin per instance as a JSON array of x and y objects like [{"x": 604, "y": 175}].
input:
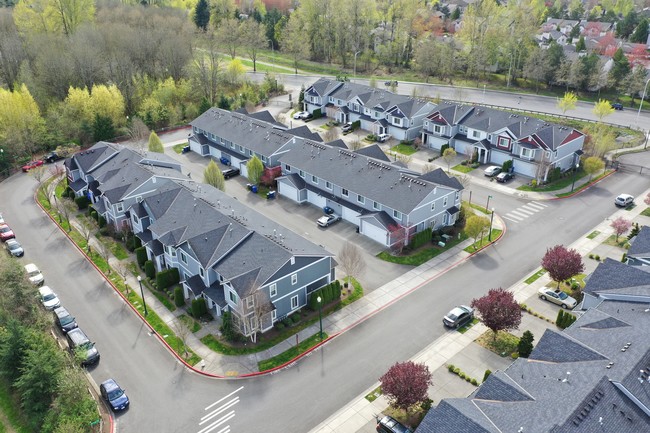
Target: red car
[
  {"x": 6, "y": 233},
  {"x": 32, "y": 164}
]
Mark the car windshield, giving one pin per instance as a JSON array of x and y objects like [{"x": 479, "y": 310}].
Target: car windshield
[
  {"x": 4, "y": 229},
  {"x": 14, "y": 246},
  {"x": 49, "y": 297},
  {"x": 563, "y": 295},
  {"x": 114, "y": 394},
  {"x": 67, "y": 319},
  {"x": 34, "y": 273}
]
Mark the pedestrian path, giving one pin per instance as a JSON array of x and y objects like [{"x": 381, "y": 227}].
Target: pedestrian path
[{"x": 523, "y": 212}]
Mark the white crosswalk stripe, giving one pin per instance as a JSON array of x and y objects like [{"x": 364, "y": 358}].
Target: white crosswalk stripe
[
  {"x": 224, "y": 404},
  {"x": 541, "y": 205},
  {"x": 524, "y": 211}
]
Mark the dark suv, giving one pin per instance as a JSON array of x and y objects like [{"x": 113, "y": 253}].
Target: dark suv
[
  {"x": 230, "y": 172},
  {"x": 64, "y": 320},
  {"x": 389, "y": 424},
  {"x": 78, "y": 342}
]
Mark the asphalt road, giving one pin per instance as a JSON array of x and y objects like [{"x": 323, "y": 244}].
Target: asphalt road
[{"x": 167, "y": 398}]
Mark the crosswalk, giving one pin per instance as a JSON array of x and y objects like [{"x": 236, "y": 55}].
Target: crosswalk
[
  {"x": 524, "y": 211},
  {"x": 223, "y": 413}
]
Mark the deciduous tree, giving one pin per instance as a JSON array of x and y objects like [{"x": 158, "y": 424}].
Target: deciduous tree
[
  {"x": 255, "y": 169},
  {"x": 620, "y": 226},
  {"x": 21, "y": 124},
  {"x": 155, "y": 145},
  {"x": 448, "y": 155},
  {"x": 476, "y": 227},
  {"x": 498, "y": 310},
  {"x": 213, "y": 176},
  {"x": 568, "y": 102},
  {"x": 562, "y": 263},
  {"x": 406, "y": 384},
  {"x": 292, "y": 41},
  {"x": 351, "y": 261},
  {"x": 602, "y": 108},
  {"x": 593, "y": 165}
]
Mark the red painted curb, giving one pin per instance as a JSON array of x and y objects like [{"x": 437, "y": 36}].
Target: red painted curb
[{"x": 584, "y": 187}]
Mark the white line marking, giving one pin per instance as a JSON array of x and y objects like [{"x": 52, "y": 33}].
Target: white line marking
[
  {"x": 226, "y": 429},
  {"x": 217, "y": 411},
  {"x": 535, "y": 206},
  {"x": 539, "y": 204},
  {"x": 222, "y": 399},
  {"x": 509, "y": 219},
  {"x": 524, "y": 211},
  {"x": 518, "y": 218},
  {"x": 530, "y": 208},
  {"x": 518, "y": 214},
  {"x": 218, "y": 422}
]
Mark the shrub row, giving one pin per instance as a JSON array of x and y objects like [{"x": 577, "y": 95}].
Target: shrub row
[
  {"x": 534, "y": 313},
  {"x": 594, "y": 256},
  {"x": 82, "y": 202},
  {"x": 141, "y": 256},
  {"x": 166, "y": 278},
  {"x": 461, "y": 374},
  {"x": 179, "y": 298},
  {"x": 199, "y": 308},
  {"x": 149, "y": 269},
  {"x": 328, "y": 294},
  {"x": 564, "y": 319},
  {"x": 420, "y": 238}
]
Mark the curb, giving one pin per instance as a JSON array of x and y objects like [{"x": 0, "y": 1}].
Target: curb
[{"x": 584, "y": 187}]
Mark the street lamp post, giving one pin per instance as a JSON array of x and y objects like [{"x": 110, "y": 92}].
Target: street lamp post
[
  {"x": 491, "y": 220},
  {"x": 487, "y": 206},
  {"x": 354, "y": 73},
  {"x": 320, "y": 317},
  {"x": 638, "y": 113},
  {"x": 272, "y": 53},
  {"x": 142, "y": 293},
  {"x": 575, "y": 172}
]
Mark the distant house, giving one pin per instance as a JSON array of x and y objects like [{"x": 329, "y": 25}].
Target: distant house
[
  {"x": 495, "y": 136},
  {"x": 591, "y": 377},
  {"x": 388, "y": 202},
  {"x": 639, "y": 252}
]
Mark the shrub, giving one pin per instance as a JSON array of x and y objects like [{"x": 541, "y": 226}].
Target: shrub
[
  {"x": 525, "y": 345},
  {"x": 312, "y": 303},
  {"x": 317, "y": 113},
  {"x": 82, "y": 202},
  {"x": 421, "y": 238},
  {"x": 597, "y": 257},
  {"x": 507, "y": 165},
  {"x": 624, "y": 258},
  {"x": 486, "y": 375},
  {"x": 93, "y": 214},
  {"x": 462, "y": 375},
  {"x": 226, "y": 327},
  {"x": 179, "y": 298},
  {"x": 279, "y": 326},
  {"x": 475, "y": 165},
  {"x": 287, "y": 322},
  {"x": 450, "y": 367},
  {"x": 101, "y": 221},
  {"x": 167, "y": 278},
  {"x": 355, "y": 125},
  {"x": 199, "y": 309},
  {"x": 533, "y": 183},
  {"x": 295, "y": 318},
  {"x": 456, "y": 370},
  {"x": 474, "y": 382},
  {"x": 149, "y": 269},
  {"x": 426, "y": 404},
  {"x": 443, "y": 148},
  {"x": 591, "y": 256},
  {"x": 141, "y": 256},
  {"x": 514, "y": 355}
]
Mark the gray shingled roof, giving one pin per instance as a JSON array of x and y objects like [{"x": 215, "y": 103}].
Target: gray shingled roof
[
  {"x": 455, "y": 416},
  {"x": 499, "y": 387},
  {"x": 323, "y": 86},
  {"x": 256, "y": 135},
  {"x": 641, "y": 245},
  {"x": 373, "y": 151},
  {"x": 556, "y": 347},
  {"x": 88, "y": 159},
  {"x": 372, "y": 178},
  {"x": 612, "y": 275}
]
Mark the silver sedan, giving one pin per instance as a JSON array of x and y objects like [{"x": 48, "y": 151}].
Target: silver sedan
[{"x": 557, "y": 297}]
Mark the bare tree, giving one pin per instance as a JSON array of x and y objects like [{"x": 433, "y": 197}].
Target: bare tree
[
  {"x": 123, "y": 271},
  {"x": 86, "y": 231},
  {"x": 253, "y": 313},
  {"x": 331, "y": 134},
  {"x": 351, "y": 261},
  {"x": 356, "y": 145},
  {"x": 464, "y": 180},
  {"x": 182, "y": 332},
  {"x": 404, "y": 159},
  {"x": 64, "y": 209},
  {"x": 105, "y": 253},
  {"x": 139, "y": 133},
  {"x": 38, "y": 173},
  {"x": 206, "y": 68}
]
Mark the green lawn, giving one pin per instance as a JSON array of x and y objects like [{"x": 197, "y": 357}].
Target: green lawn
[
  {"x": 404, "y": 149},
  {"x": 191, "y": 324},
  {"x": 465, "y": 328},
  {"x": 503, "y": 345},
  {"x": 462, "y": 168},
  {"x": 290, "y": 354},
  {"x": 357, "y": 293},
  {"x": 178, "y": 148},
  {"x": 422, "y": 255},
  {"x": 535, "y": 276},
  {"x": 558, "y": 184},
  {"x": 593, "y": 234},
  {"x": 483, "y": 242},
  {"x": 646, "y": 212}
]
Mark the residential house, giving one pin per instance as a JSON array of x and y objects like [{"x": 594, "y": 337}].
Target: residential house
[
  {"x": 82, "y": 163},
  {"x": 386, "y": 201},
  {"x": 233, "y": 138},
  {"x": 559, "y": 24},
  {"x": 594, "y": 376},
  {"x": 235, "y": 258},
  {"x": 495, "y": 136},
  {"x": 378, "y": 110},
  {"x": 639, "y": 252}
]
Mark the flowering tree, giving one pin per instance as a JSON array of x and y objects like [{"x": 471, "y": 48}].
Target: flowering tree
[
  {"x": 397, "y": 238},
  {"x": 646, "y": 200},
  {"x": 406, "y": 384},
  {"x": 620, "y": 226},
  {"x": 498, "y": 310},
  {"x": 562, "y": 263}
]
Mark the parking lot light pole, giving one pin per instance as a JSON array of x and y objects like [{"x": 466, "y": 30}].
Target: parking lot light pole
[
  {"x": 142, "y": 293},
  {"x": 320, "y": 317},
  {"x": 487, "y": 205},
  {"x": 491, "y": 220}
]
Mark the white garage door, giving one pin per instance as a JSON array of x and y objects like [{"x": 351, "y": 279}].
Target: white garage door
[
  {"x": 195, "y": 146},
  {"x": 498, "y": 158},
  {"x": 215, "y": 153},
  {"x": 373, "y": 232},
  {"x": 350, "y": 215},
  {"x": 525, "y": 168},
  {"x": 316, "y": 199},
  {"x": 288, "y": 191},
  {"x": 243, "y": 169}
]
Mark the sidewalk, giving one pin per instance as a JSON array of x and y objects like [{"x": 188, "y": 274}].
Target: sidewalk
[{"x": 359, "y": 414}]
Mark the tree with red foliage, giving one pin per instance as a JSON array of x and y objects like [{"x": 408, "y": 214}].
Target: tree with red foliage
[
  {"x": 406, "y": 384},
  {"x": 646, "y": 200},
  {"x": 269, "y": 175},
  {"x": 498, "y": 310},
  {"x": 621, "y": 226},
  {"x": 562, "y": 263},
  {"x": 397, "y": 238}
]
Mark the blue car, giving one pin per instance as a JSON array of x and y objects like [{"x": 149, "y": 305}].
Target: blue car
[{"x": 114, "y": 395}]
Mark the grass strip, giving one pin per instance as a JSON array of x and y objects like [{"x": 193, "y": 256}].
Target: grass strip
[
  {"x": 593, "y": 234},
  {"x": 422, "y": 255},
  {"x": 290, "y": 354},
  {"x": 191, "y": 324},
  {"x": 404, "y": 149},
  {"x": 483, "y": 242},
  {"x": 462, "y": 168},
  {"x": 535, "y": 276}
]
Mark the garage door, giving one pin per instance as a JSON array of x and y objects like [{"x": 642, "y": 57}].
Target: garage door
[
  {"x": 195, "y": 146},
  {"x": 215, "y": 153},
  {"x": 288, "y": 191},
  {"x": 498, "y": 158},
  {"x": 316, "y": 199},
  {"x": 525, "y": 168},
  {"x": 243, "y": 169},
  {"x": 373, "y": 232},
  {"x": 350, "y": 215}
]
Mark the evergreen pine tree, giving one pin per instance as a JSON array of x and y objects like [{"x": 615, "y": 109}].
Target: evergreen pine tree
[{"x": 202, "y": 14}]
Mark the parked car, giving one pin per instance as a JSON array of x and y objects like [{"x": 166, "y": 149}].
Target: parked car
[
  {"x": 14, "y": 248},
  {"x": 230, "y": 172},
  {"x": 302, "y": 115},
  {"x": 6, "y": 233},
  {"x": 52, "y": 157},
  {"x": 328, "y": 219},
  {"x": 383, "y": 137},
  {"x": 624, "y": 200},
  {"x": 34, "y": 274},
  {"x": 458, "y": 316},
  {"x": 32, "y": 164},
  {"x": 390, "y": 83},
  {"x": 48, "y": 298},
  {"x": 504, "y": 177},
  {"x": 388, "y": 424},
  {"x": 617, "y": 106},
  {"x": 492, "y": 171},
  {"x": 79, "y": 341},
  {"x": 347, "y": 127},
  {"x": 114, "y": 395},
  {"x": 557, "y": 297},
  {"x": 64, "y": 320}
]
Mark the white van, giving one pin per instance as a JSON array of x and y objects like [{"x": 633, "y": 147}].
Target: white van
[{"x": 34, "y": 275}]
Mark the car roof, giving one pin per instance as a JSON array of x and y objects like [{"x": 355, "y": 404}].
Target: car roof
[
  {"x": 44, "y": 290},
  {"x": 110, "y": 384},
  {"x": 61, "y": 312},
  {"x": 624, "y": 196},
  {"x": 12, "y": 241}
]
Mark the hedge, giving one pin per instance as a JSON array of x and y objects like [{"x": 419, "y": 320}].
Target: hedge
[
  {"x": 420, "y": 238},
  {"x": 328, "y": 293},
  {"x": 317, "y": 114},
  {"x": 564, "y": 320},
  {"x": 166, "y": 278},
  {"x": 101, "y": 221},
  {"x": 356, "y": 125},
  {"x": 141, "y": 256},
  {"x": 179, "y": 298},
  {"x": 149, "y": 269},
  {"x": 82, "y": 202},
  {"x": 199, "y": 308}
]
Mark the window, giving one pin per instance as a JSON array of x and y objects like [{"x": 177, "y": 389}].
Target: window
[
  {"x": 135, "y": 218},
  {"x": 437, "y": 129},
  {"x": 397, "y": 214},
  {"x": 355, "y": 107},
  {"x": 222, "y": 140},
  {"x": 232, "y": 145},
  {"x": 397, "y": 121},
  {"x": 475, "y": 134},
  {"x": 314, "y": 179},
  {"x": 302, "y": 174},
  {"x": 444, "y": 202},
  {"x": 361, "y": 199},
  {"x": 433, "y": 206},
  {"x": 250, "y": 152},
  {"x": 287, "y": 167},
  {"x": 120, "y": 207},
  {"x": 233, "y": 297},
  {"x": 504, "y": 142},
  {"x": 293, "y": 261},
  {"x": 457, "y": 195},
  {"x": 375, "y": 205},
  {"x": 250, "y": 302},
  {"x": 294, "y": 279},
  {"x": 444, "y": 219},
  {"x": 273, "y": 290},
  {"x": 344, "y": 192},
  {"x": 202, "y": 272},
  {"x": 264, "y": 159},
  {"x": 240, "y": 148},
  {"x": 170, "y": 251},
  {"x": 294, "y": 302},
  {"x": 183, "y": 257},
  {"x": 274, "y": 315},
  {"x": 527, "y": 153},
  {"x": 328, "y": 185}
]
